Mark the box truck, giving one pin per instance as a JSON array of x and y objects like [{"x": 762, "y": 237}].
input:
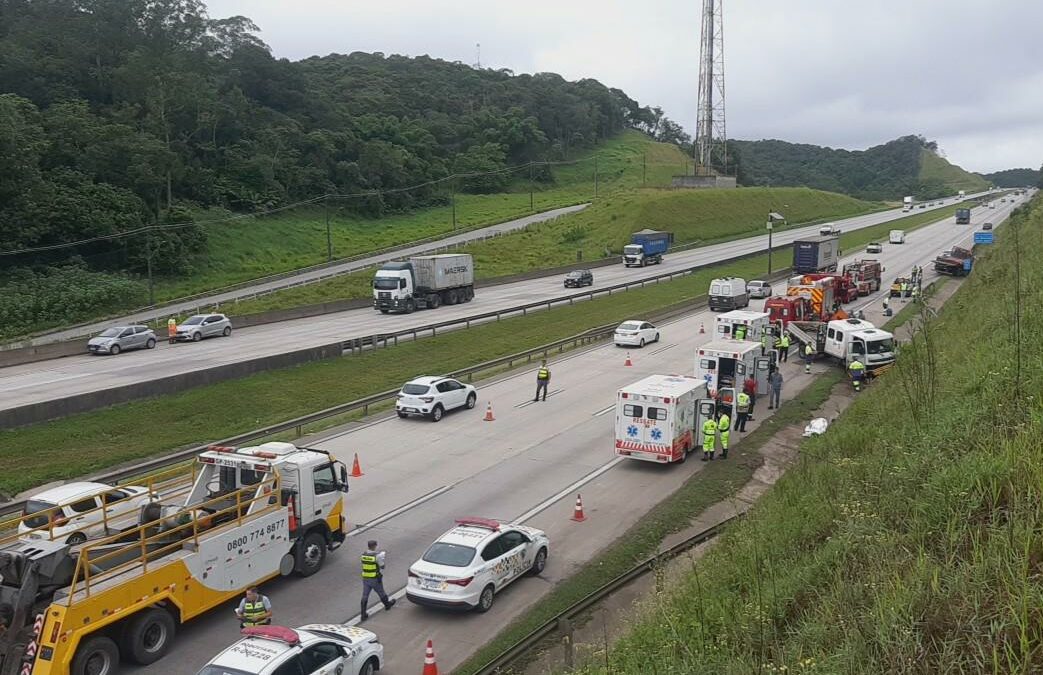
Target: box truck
[
  {"x": 425, "y": 281},
  {"x": 816, "y": 254},
  {"x": 646, "y": 248},
  {"x": 963, "y": 216},
  {"x": 907, "y": 204},
  {"x": 660, "y": 418}
]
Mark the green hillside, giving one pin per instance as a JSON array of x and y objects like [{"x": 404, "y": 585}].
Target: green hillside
[
  {"x": 1015, "y": 178},
  {"x": 906, "y": 539},
  {"x": 937, "y": 175}
]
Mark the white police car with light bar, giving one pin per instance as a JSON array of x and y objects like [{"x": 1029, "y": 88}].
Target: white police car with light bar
[{"x": 308, "y": 650}]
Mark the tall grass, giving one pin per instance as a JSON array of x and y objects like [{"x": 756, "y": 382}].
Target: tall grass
[{"x": 907, "y": 539}]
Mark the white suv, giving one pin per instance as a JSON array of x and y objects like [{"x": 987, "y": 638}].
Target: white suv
[
  {"x": 73, "y": 512},
  {"x": 316, "y": 649},
  {"x": 472, "y": 562},
  {"x": 433, "y": 397}
]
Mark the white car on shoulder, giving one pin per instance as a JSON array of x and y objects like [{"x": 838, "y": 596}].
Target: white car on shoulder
[
  {"x": 472, "y": 562},
  {"x": 316, "y": 649},
  {"x": 433, "y": 397},
  {"x": 73, "y": 512},
  {"x": 635, "y": 334}
]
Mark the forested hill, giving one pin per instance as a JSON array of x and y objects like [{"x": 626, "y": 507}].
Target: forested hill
[
  {"x": 905, "y": 166},
  {"x": 1015, "y": 178},
  {"x": 118, "y": 112}
]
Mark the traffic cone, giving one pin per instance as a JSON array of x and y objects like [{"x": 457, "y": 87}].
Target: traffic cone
[
  {"x": 702, "y": 329},
  {"x": 430, "y": 667},
  {"x": 628, "y": 362},
  {"x": 356, "y": 470},
  {"x": 577, "y": 515},
  {"x": 489, "y": 413}
]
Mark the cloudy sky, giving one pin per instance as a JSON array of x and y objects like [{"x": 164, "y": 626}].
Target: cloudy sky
[{"x": 838, "y": 73}]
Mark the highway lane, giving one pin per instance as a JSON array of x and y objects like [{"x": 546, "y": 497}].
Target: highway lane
[
  {"x": 528, "y": 464},
  {"x": 35, "y": 382}
]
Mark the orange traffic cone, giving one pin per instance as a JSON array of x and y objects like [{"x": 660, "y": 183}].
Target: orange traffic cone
[
  {"x": 430, "y": 667},
  {"x": 577, "y": 515},
  {"x": 702, "y": 329},
  {"x": 628, "y": 362},
  {"x": 489, "y": 413},
  {"x": 356, "y": 469}
]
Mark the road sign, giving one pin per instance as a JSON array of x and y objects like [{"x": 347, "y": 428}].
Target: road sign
[{"x": 983, "y": 237}]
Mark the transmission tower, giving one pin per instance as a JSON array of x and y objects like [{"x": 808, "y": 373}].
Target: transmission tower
[
  {"x": 711, "y": 152},
  {"x": 478, "y": 56}
]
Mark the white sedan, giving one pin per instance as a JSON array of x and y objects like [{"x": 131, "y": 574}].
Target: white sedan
[
  {"x": 472, "y": 562},
  {"x": 635, "y": 334},
  {"x": 316, "y": 649},
  {"x": 874, "y": 247},
  {"x": 75, "y": 512}
]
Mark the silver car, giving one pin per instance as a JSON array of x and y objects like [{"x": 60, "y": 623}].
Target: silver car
[
  {"x": 200, "y": 326},
  {"x": 758, "y": 289},
  {"x": 121, "y": 338}
]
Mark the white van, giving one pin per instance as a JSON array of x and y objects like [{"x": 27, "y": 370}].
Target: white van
[
  {"x": 896, "y": 237},
  {"x": 728, "y": 293}
]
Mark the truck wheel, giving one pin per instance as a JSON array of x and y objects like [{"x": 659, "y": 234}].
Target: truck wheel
[
  {"x": 311, "y": 554},
  {"x": 434, "y": 301},
  {"x": 410, "y": 306},
  {"x": 148, "y": 636},
  {"x": 384, "y": 311},
  {"x": 97, "y": 655},
  {"x": 452, "y": 297},
  {"x": 470, "y": 294}
]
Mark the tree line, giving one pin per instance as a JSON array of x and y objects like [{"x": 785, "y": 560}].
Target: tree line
[{"x": 1015, "y": 178}]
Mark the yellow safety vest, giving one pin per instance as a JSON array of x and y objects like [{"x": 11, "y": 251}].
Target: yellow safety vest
[
  {"x": 856, "y": 367},
  {"x": 709, "y": 428},
  {"x": 724, "y": 423},
  {"x": 370, "y": 568},
  {"x": 807, "y": 350},
  {"x": 253, "y": 613},
  {"x": 785, "y": 341},
  {"x": 543, "y": 374},
  {"x": 744, "y": 402}
]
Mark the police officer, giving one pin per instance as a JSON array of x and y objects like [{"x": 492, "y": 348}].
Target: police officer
[
  {"x": 542, "y": 380},
  {"x": 171, "y": 330},
  {"x": 784, "y": 348},
  {"x": 858, "y": 371},
  {"x": 373, "y": 576},
  {"x": 808, "y": 353},
  {"x": 742, "y": 411},
  {"x": 254, "y": 609},
  {"x": 709, "y": 438},
  {"x": 723, "y": 429}
]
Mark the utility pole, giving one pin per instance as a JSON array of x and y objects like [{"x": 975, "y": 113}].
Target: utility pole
[
  {"x": 148, "y": 266},
  {"x": 595, "y": 176},
  {"x": 644, "y": 168},
  {"x": 329, "y": 238},
  {"x": 532, "y": 208},
  {"x": 769, "y": 244},
  {"x": 452, "y": 200}
]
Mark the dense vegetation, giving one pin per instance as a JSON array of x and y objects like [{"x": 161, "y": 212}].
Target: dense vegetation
[
  {"x": 1016, "y": 178},
  {"x": 906, "y": 540},
  {"x": 905, "y": 166}
]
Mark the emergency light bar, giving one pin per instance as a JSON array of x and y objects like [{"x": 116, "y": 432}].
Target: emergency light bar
[
  {"x": 277, "y": 633},
  {"x": 487, "y": 523}
]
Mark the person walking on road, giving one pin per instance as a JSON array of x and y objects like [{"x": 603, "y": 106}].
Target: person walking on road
[
  {"x": 724, "y": 431},
  {"x": 808, "y": 354},
  {"x": 542, "y": 380},
  {"x": 709, "y": 438},
  {"x": 171, "y": 330},
  {"x": 775, "y": 393},
  {"x": 742, "y": 411},
  {"x": 373, "y": 576},
  {"x": 254, "y": 609}
]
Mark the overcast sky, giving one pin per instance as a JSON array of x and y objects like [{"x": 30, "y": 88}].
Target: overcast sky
[{"x": 843, "y": 74}]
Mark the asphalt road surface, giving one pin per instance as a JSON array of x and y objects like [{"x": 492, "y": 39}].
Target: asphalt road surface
[
  {"x": 527, "y": 465},
  {"x": 47, "y": 380}
]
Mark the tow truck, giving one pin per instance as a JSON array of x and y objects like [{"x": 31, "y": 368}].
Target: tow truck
[
  {"x": 232, "y": 519},
  {"x": 865, "y": 275},
  {"x": 846, "y": 340}
]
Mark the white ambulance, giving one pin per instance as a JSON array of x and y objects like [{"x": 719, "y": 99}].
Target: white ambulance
[
  {"x": 755, "y": 323},
  {"x": 725, "y": 364},
  {"x": 660, "y": 418}
]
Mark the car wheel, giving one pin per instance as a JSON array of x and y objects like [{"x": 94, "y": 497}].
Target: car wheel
[
  {"x": 369, "y": 667},
  {"x": 402, "y": 414},
  {"x": 471, "y": 400},
  {"x": 227, "y": 331},
  {"x": 76, "y": 538},
  {"x": 114, "y": 350},
  {"x": 196, "y": 337},
  {"x": 539, "y": 562},
  {"x": 148, "y": 636},
  {"x": 311, "y": 554},
  {"x": 98, "y": 655},
  {"x": 656, "y": 337},
  {"x": 485, "y": 600},
  {"x": 642, "y": 345},
  {"x": 436, "y": 413},
  {"x": 151, "y": 344}
]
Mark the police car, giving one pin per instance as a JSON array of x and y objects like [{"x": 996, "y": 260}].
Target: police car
[
  {"x": 309, "y": 650},
  {"x": 472, "y": 562}
]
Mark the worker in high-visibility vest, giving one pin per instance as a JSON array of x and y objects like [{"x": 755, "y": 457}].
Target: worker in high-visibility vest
[
  {"x": 808, "y": 353},
  {"x": 784, "y": 348},
  {"x": 542, "y": 380},
  {"x": 723, "y": 429},
  {"x": 764, "y": 341},
  {"x": 373, "y": 576},
  {"x": 858, "y": 372},
  {"x": 709, "y": 438},
  {"x": 171, "y": 330},
  {"x": 740, "y": 332},
  {"x": 254, "y": 609}
]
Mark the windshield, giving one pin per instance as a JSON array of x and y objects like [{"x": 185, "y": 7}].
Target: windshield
[
  {"x": 110, "y": 332},
  {"x": 629, "y": 325},
  {"x": 221, "y": 670},
  {"x": 453, "y": 555},
  {"x": 193, "y": 321},
  {"x": 36, "y": 513},
  {"x": 385, "y": 283},
  {"x": 415, "y": 389},
  {"x": 881, "y": 346},
  {"x": 574, "y": 275},
  {"x": 632, "y": 249}
]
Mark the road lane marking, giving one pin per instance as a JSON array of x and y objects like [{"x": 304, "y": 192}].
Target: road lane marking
[
  {"x": 524, "y": 404},
  {"x": 566, "y": 491},
  {"x": 605, "y": 411},
  {"x": 663, "y": 349},
  {"x": 400, "y": 510}
]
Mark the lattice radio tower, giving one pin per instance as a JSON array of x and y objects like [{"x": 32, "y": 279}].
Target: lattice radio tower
[{"x": 711, "y": 152}]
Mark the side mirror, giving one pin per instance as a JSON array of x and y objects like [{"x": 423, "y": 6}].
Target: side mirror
[{"x": 343, "y": 478}]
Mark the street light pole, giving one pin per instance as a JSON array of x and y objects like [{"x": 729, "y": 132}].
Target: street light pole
[{"x": 769, "y": 245}]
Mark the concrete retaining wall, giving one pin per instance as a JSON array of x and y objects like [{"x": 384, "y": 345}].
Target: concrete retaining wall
[
  {"x": 55, "y": 350},
  {"x": 49, "y": 410}
]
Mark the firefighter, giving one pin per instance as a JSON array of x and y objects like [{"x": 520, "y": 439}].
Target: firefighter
[
  {"x": 542, "y": 380},
  {"x": 723, "y": 429},
  {"x": 742, "y": 411},
  {"x": 709, "y": 438},
  {"x": 171, "y": 330},
  {"x": 373, "y": 577},
  {"x": 808, "y": 353},
  {"x": 254, "y": 609},
  {"x": 858, "y": 372}
]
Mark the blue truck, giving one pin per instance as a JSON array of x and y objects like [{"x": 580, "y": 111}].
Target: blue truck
[
  {"x": 816, "y": 254},
  {"x": 646, "y": 248}
]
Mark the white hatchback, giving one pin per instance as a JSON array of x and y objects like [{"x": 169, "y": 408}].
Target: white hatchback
[
  {"x": 472, "y": 562},
  {"x": 433, "y": 397},
  {"x": 315, "y": 649},
  {"x": 635, "y": 334},
  {"x": 74, "y": 513}
]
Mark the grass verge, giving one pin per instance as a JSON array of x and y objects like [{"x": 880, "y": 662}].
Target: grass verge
[
  {"x": 90, "y": 442},
  {"x": 906, "y": 540}
]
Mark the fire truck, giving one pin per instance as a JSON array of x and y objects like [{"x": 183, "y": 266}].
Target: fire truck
[
  {"x": 232, "y": 519},
  {"x": 803, "y": 302},
  {"x": 844, "y": 288},
  {"x": 865, "y": 274}
]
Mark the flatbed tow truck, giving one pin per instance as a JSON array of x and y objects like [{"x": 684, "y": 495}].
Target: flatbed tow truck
[{"x": 230, "y": 520}]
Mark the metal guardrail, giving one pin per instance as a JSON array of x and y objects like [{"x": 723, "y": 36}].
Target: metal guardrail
[{"x": 557, "y": 622}]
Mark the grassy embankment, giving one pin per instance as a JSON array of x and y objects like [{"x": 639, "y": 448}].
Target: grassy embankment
[
  {"x": 907, "y": 538},
  {"x": 244, "y": 249},
  {"x": 937, "y": 171},
  {"x": 89, "y": 442},
  {"x": 692, "y": 215}
]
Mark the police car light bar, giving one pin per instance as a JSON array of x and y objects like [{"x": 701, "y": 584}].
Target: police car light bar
[
  {"x": 480, "y": 522},
  {"x": 278, "y": 633}
]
